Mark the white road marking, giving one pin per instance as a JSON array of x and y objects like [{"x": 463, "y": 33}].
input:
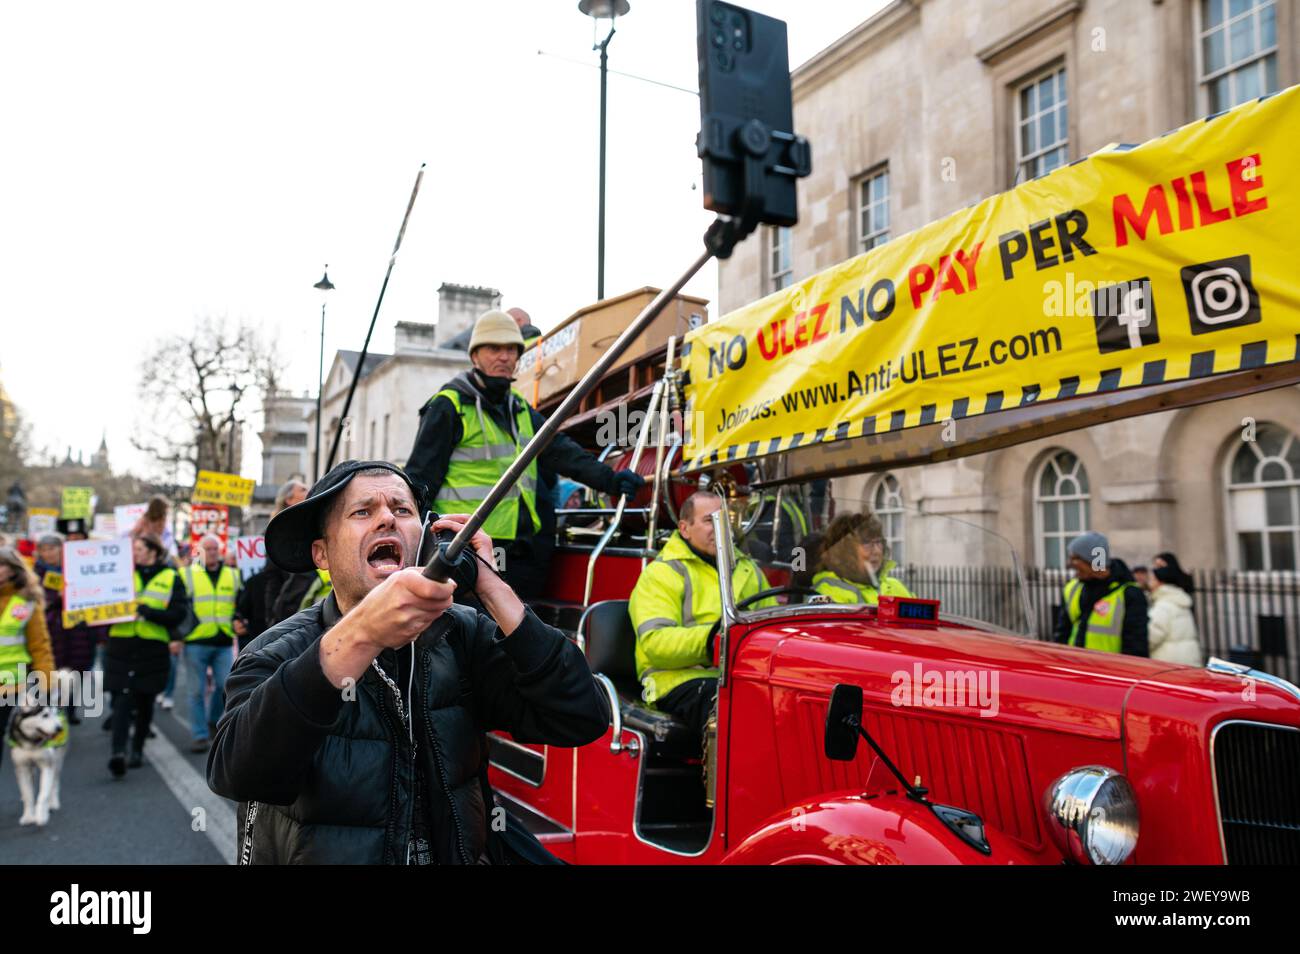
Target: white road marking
[
  {"x": 191, "y": 790},
  {"x": 190, "y": 787}
]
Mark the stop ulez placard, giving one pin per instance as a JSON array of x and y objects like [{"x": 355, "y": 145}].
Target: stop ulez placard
[{"x": 1165, "y": 262}]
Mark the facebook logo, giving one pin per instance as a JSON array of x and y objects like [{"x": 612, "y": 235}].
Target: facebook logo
[{"x": 1125, "y": 315}]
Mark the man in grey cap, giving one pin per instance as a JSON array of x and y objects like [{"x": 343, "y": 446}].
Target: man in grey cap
[
  {"x": 1102, "y": 607},
  {"x": 354, "y": 731}
]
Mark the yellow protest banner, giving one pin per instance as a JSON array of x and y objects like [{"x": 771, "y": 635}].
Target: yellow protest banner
[
  {"x": 108, "y": 613},
  {"x": 1166, "y": 262},
  {"x": 75, "y": 503},
  {"x": 229, "y": 489}
]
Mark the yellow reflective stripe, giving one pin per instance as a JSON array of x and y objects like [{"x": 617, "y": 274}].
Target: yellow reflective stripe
[
  {"x": 839, "y": 584},
  {"x": 485, "y": 452},
  {"x": 658, "y": 622},
  {"x": 525, "y": 482},
  {"x": 688, "y": 592}
]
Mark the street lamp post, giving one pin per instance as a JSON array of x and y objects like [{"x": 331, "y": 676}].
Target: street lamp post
[
  {"x": 324, "y": 285},
  {"x": 598, "y": 10}
]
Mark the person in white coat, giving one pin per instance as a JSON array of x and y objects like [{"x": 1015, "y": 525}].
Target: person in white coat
[{"x": 1171, "y": 628}]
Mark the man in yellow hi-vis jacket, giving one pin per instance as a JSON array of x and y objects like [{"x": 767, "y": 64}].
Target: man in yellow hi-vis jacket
[
  {"x": 213, "y": 587},
  {"x": 674, "y": 606},
  {"x": 1101, "y": 607},
  {"x": 471, "y": 431}
]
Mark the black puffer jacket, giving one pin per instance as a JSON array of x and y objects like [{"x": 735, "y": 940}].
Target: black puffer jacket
[{"x": 331, "y": 781}]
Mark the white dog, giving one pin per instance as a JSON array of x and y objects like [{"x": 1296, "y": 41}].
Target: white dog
[{"x": 38, "y": 742}]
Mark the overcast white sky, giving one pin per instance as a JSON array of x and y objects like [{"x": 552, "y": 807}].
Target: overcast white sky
[{"x": 169, "y": 160}]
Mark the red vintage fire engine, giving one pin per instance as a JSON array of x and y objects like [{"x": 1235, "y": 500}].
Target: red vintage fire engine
[
  {"x": 984, "y": 745},
  {"x": 987, "y": 746}
]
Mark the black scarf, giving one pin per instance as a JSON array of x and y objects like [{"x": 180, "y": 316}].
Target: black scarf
[{"x": 495, "y": 389}]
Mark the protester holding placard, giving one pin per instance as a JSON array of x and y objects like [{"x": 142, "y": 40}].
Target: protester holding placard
[
  {"x": 74, "y": 646},
  {"x": 24, "y": 640},
  {"x": 138, "y": 656}
]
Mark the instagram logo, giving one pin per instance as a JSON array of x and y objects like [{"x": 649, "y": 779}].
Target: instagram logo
[{"x": 1220, "y": 294}]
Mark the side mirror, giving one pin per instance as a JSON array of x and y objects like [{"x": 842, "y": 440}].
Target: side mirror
[{"x": 842, "y": 721}]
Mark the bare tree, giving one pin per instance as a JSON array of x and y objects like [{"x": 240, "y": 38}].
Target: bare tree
[
  {"x": 197, "y": 392},
  {"x": 15, "y": 441}
]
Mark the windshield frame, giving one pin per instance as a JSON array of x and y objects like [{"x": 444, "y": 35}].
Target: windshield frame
[{"x": 731, "y": 615}]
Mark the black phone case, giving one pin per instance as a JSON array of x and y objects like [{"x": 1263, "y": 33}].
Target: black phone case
[{"x": 744, "y": 75}]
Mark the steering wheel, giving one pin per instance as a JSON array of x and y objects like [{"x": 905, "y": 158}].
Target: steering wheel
[{"x": 776, "y": 591}]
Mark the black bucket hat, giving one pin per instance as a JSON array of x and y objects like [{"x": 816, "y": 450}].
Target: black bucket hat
[{"x": 290, "y": 533}]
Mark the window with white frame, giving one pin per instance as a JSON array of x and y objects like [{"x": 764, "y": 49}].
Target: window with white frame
[
  {"x": 873, "y": 210},
  {"x": 1237, "y": 51},
  {"x": 1061, "y": 506},
  {"x": 386, "y": 417},
  {"x": 780, "y": 258},
  {"x": 887, "y": 504},
  {"x": 1264, "y": 500},
  {"x": 1042, "y": 115}
]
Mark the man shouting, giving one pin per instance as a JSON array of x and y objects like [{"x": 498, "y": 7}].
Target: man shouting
[{"x": 354, "y": 730}]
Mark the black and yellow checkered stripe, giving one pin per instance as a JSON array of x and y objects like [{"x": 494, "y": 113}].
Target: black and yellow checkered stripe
[{"x": 1200, "y": 364}]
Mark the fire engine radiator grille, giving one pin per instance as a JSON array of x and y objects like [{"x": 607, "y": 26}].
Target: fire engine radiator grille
[
  {"x": 982, "y": 769},
  {"x": 1257, "y": 771}
]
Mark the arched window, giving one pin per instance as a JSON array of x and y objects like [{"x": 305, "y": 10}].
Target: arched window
[
  {"x": 887, "y": 504},
  {"x": 1060, "y": 506},
  {"x": 1264, "y": 500}
]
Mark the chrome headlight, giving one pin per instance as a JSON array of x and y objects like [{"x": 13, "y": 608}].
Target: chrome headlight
[{"x": 1093, "y": 816}]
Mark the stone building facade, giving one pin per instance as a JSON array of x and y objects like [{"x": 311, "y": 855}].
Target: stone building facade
[
  {"x": 393, "y": 387},
  {"x": 932, "y": 105}
]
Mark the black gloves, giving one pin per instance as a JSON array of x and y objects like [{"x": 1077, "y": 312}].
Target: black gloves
[{"x": 627, "y": 483}]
